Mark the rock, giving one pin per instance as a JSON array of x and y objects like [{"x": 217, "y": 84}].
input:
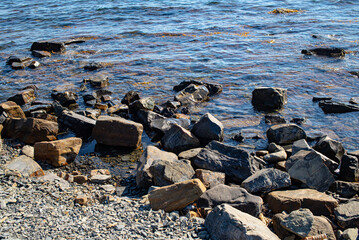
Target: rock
[
  {"x": 330, "y": 148},
  {"x": 236, "y": 163},
  {"x": 79, "y": 124},
  {"x": 237, "y": 197},
  {"x": 285, "y": 134},
  {"x": 320, "y": 98},
  {"x": 118, "y": 132},
  {"x": 80, "y": 179},
  {"x": 192, "y": 94},
  {"x": 347, "y": 214},
  {"x": 95, "y": 172},
  {"x": 317, "y": 202},
  {"x": 208, "y": 128},
  {"x": 189, "y": 154},
  {"x": 349, "y": 168},
  {"x": 100, "y": 178},
  {"x": 28, "y": 151},
  {"x": 101, "y": 106},
  {"x": 56, "y": 180},
  {"x": 97, "y": 81},
  {"x": 90, "y": 99},
  {"x": 24, "y": 97},
  {"x": 65, "y": 98},
  {"x": 212, "y": 88},
  {"x": 226, "y": 222},
  {"x": 266, "y": 180},
  {"x": 284, "y": 11},
  {"x": 300, "y": 145},
  {"x": 81, "y": 199},
  {"x": 350, "y": 234},
  {"x": 34, "y": 64},
  {"x": 14, "y": 59},
  {"x": 30, "y": 130},
  {"x": 93, "y": 66},
  {"x": 177, "y": 139},
  {"x": 310, "y": 168},
  {"x": 327, "y": 52},
  {"x": 40, "y": 54},
  {"x": 354, "y": 100},
  {"x": 274, "y": 119},
  {"x": 337, "y": 107},
  {"x": 118, "y": 109},
  {"x": 142, "y": 104},
  {"x": 345, "y": 189},
  {"x": 146, "y": 117},
  {"x": 130, "y": 97},
  {"x": 268, "y": 98},
  {"x": 210, "y": 179},
  {"x": 52, "y": 47},
  {"x": 177, "y": 196},
  {"x": 272, "y": 148},
  {"x": 162, "y": 125},
  {"x": 12, "y": 110},
  {"x": 275, "y": 157},
  {"x": 58, "y": 153},
  {"x": 26, "y": 166}
]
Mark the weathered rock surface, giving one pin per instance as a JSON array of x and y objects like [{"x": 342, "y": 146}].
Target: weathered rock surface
[
  {"x": 276, "y": 157},
  {"x": 299, "y": 222},
  {"x": 130, "y": 97},
  {"x": 177, "y": 139},
  {"x": 26, "y": 166},
  {"x": 208, "y": 128},
  {"x": 58, "y": 153},
  {"x": 226, "y": 222},
  {"x": 53, "y": 47},
  {"x": 12, "y": 110},
  {"x": 176, "y": 196},
  {"x": 347, "y": 214},
  {"x": 213, "y": 88},
  {"x": 237, "y": 197},
  {"x": 318, "y": 203},
  {"x": 330, "y": 148},
  {"x": 350, "y": 234},
  {"x": 345, "y": 189},
  {"x": 142, "y": 104},
  {"x": 28, "y": 151},
  {"x": 164, "y": 124},
  {"x": 98, "y": 81},
  {"x": 285, "y": 134},
  {"x": 189, "y": 154},
  {"x": 210, "y": 179},
  {"x": 300, "y": 145},
  {"x": 236, "y": 163},
  {"x": 327, "y": 52},
  {"x": 266, "y": 180},
  {"x": 268, "y": 98},
  {"x": 79, "y": 124},
  {"x": 192, "y": 94},
  {"x": 117, "y": 131},
  {"x": 330, "y": 106},
  {"x": 349, "y": 168},
  {"x": 23, "y": 97}
]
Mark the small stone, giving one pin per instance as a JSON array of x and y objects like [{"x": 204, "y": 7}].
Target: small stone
[
  {"x": 40, "y": 54},
  {"x": 80, "y": 179},
  {"x": 347, "y": 214},
  {"x": 100, "y": 178},
  {"x": 285, "y": 134},
  {"x": 189, "y": 154},
  {"x": 26, "y": 166},
  {"x": 81, "y": 199}
]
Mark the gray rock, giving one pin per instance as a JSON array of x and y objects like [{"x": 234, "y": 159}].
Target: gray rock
[
  {"x": 266, "y": 180},
  {"x": 226, "y": 222},
  {"x": 192, "y": 94},
  {"x": 276, "y": 157},
  {"x": 56, "y": 180},
  {"x": 347, "y": 214},
  {"x": 98, "y": 81},
  {"x": 177, "y": 139},
  {"x": 299, "y": 222},
  {"x": 65, "y": 98},
  {"x": 142, "y": 104},
  {"x": 163, "y": 125},
  {"x": 285, "y": 134},
  {"x": 272, "y": 148},
  {"x": 350, "y": 234},
  {"x": 189, "y": 154},
  {"x": 213, "y": 88},
  {"x": 268, "y": 98},
  {"x": 146, "y": 117},
  {"x": 330, "y": 148},
  {"x": 210, "y": 179},
  {"x": 208, "y": 128},
  {"x": 81, "y": 125},
  {"x": 26, "y": 166},
  {"x": 329, "y": 106},
  {"x": 130, "y": 97},
  {"x": 349, "y": 168},
  {"x": 300, "y": 145},
  {"x": 345, "y": 189}
]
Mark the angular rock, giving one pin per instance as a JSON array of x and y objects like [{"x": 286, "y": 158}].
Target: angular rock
[
  {"x": 25, "y": 62},
  {"x": 56, "y": 180},
  {"x": 349, "y": 168},
  {"x": 58, "y": 153},
  {"x": 275, "y": 157},
  {"x": 130, "y": 97},
  {"x": 28, "y": 151},
  {"x": 272, "y": 148},
  {"x": 317, "y": 202},
  {"x": 164, "y": 124},
  {"x": 192, "y": 94},
  {"x": 26, "y": 166},
  {"x": 98, "y": 81},
  {"x": 237, "y": 197},
  {"x": 118, "y": 132},
  {"x": 208, "y": 128},
  {"x": 327, "y": 52},
  {"x": 177, "y": 196},
  {"x": 95, "y": 172},
  {"x": 100, "y": 178},
  {"x": 65, "y": 98},
  {"x": 189, "y": 154},
  {"x": 79, "y": 124},
  {"x": 14, "y": 59},
  {"x": 146, "y": 117},
  {"x": 274, "y": 119},
  {"x": 226, "y": 222},
  {"x": 350, "y": 234},
  {"x": 81, "y": 199},
  {"x": 266, "y": 180},
  {"x": 177, "y": 139},
  {"x": 210, "y": 179},
  {"x": 12, "y": 110},
  {"x": 90, "y": 99},
  {"x": 299, "y": 222},
  {"x": 53, "y": 47},
  {"x": 285, "y": 134},
  {"x": 268, "y": 98},
  {"x": 300, "y": 145},
  {"x": 24, "y": 97},
  {"x": 40, "y": 54},
  {"x": 80, "y": 179},
  {"x": 213, "y": 88},
  {"x": 142, "y": 104},
  {"x": 330, "y": 148},
  {"x": 345, "y": 189},
  {"x": 337, "y": 107},
  {"x": 347, "y": 214},
  {"x": 34, "y": 64},
  {"x": 236, "y": 163}
]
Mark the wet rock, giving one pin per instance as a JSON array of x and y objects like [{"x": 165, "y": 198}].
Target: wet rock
[
  {"x": 177, "y": 139},
  {"x": 192, "y": 94},
  {"x": 80, "y": 179},
  {"x": 146, "y": 117},
  {"x": 236, "y": 163},
  {"x": 349, "y": 168},
  {"x": 130, "y": 97},
  {"x": 81, "y": 199},
  {"x": 53, "y": 47},
  {"x": 79, "y": 124},
  {"x": 142, "y": 104},
  {"x": 354, "y": 100},
  {"x": 327, "y": 52},
  {"x": 330, "y": 148},
  {"x": 97, "y": 81},
  {"x": 12, "y": 110},
  {"x": 90, "y": 99},
  {"x": 23, "y": 97},
  {"x": 238, "y": 137},
  {"x": 208, "y": 128},
  {"x": 118, "y": 109},
  {"x": 117, "y": 131},
  {"x": 285, "y": 134},
  {"x": 210, "y": 179},
  {"x": 65, "y": 98},
  {"x": 268, "y": 98},
  {"x": 30, "y": 130},
  {"x": 13, "y": 59},
  {"x": 320, "y": 98},
  {"x": 236, "y": 197},
  {"x": 177, "y": 196},
  {"x": 93, "y": 66},
  {"x": 347, "y": 214},
  {"x": 189, "y": 154},
  {"x": 28, "y": 151},
  {"x": 337, "y": 107},
  {"x": 20, "y": 63},
  {"x": 26, "y": 166},
  {"x": 284, "y": 11},
  {"x": 226, "y": 222},
  {"x": 300, "y": 145},
  {"x": 34, "y": 64},
  {"x": 319, "y": 203},
  {"x": 213, "y": 88},
  {"x": 40, "y": 54},
  {"x": 266, "y": 180},
  {"x": 58, "y": 153},
  {"x": 101, "y": 106},
  {"x": 162, "y": 125},
  {"x": 345, "y": 189},
  {"x": 274, "y": 119}
]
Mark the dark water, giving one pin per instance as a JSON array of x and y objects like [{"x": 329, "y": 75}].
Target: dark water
[{"x": 150, "y": 46}]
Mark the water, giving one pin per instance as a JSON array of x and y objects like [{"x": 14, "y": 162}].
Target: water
[{"x": 150, "y": 46}]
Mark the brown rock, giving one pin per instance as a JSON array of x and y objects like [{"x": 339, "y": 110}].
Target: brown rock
[
  {"x": 12, "y": 109},
  {"x": 81, "y": 199},
  {"x": 26, "y": 166},
  {"x": 80, "y": 179},
  {"x": 99, "y": 172},
  {"x": 176, "y": 196},
  {"x": 23, "y": 97},
  {"x": 210, "y": 179},
  {"x": 58, "y": 153}
]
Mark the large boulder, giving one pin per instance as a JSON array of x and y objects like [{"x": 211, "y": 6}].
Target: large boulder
[
  {"x": 285, "y": 134},
  {"x": 26, "y": 166},
  {"x": 347, "y": 214},
  {"x": 349, "y": 168},
  {"x": 178, "y": 139},
  {"x": 79, "y": 124},
  {"x": 58, "y": 153},
  {"x": 236, "y": 163},
  {"x": 24, "y": 97},
  {"x": 12, "y": 110},
  {"x": 268, "y": 98},
  {"x": 226, "y": 222},
  {"x": 319, "y": 203},
  {"x": 208, "y": 128},
  {"x": 237, "y": 197},
  {"x": 266, "y": 180},
  {"x": 330, "y": 148},
  {"x": 177, "y": 196},
  {"x": 118, "y": 132}
]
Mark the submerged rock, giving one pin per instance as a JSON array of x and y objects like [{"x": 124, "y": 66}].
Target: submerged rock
[
  {"x": 192, "y": 94},
  {"x": 328, "y": 52},
  {"x": 268, "y": 98},
  {"x": 213, "y": 88},
  {"x": 337, "y": 107}
]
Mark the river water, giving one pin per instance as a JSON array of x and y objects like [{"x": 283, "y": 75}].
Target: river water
[{"x": 150, "y": 46}]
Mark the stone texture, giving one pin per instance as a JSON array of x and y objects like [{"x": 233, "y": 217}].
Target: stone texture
[
  {"x": 12, "y": 109},
  {"x": 345, "y": 189},
  {"x": 208, "y": 128},
  {"x": 117, "y": 131},
  {"x": 26, "y": 166},
  {"x": 299, "y": 222},
  {"x": 79, "y": 124},
  {"x": 226, "y": 222},
  {"x": 237, "y": 197},
  {"x": 268, "y": 98},
  {"x": 330, "y": 148},
  {"x": 28, "y": 151},
  {"x": 177, "y": 196},
  {"x": 300, "y": 145},
  {"x": 142, "y": 104},
  {"x": 347, "y": 214},
  {"x": 24, "y": 97},
  {"x": 189, "y": 154},
  {"x": 210, "y": 179},
  {"x": 285, "y": 134},
  {"x": 192, "y": 94},
  {"x": 275, "y": 157},
  {"x": 58, "y": 153},
  {"x": 319, "y": 203},
  {"x": 177, "y": 139},
  {"x": 349, "y": 168}
]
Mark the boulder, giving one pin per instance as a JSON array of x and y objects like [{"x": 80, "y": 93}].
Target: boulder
[
  {"x": 176, "y": 196},
  {"x": 97, "y": 81},
  {"x": 210, "y": 179},
  {"x": 317, "y": 202},
  {"x": 266, "y": 180},
  {"x": 12, "y": 110},
  {"x": 236, "y": 163},
  {"x": 345, "y": 189},
  {"x": 118, "y": 132},
  {"x": 226, "y": 222},
  {"x": 53, "y": 47},
  {"x": 30, "y": 130},
  {"x": 237, "y": 197},
  {"x": 130, "y": 97},
  {"x": 208, "y": 128},
  {"x": 285, "y": 134},
  {"x": 26, "y": 166},
  {"x": 79, "y": 124},
  {"x": 349, "y": 168},
  {"x": 347, "y": 214},
  {"x": 146, "y": 117},
  {"x": 329, "y": 106},
  {"x": 58, "y": 153},
  {"x": 24, "y": 97},
  {"x": 268, "y": 98},
  {"x": 164, "y": 124},
  {"x": 189, "y": 154},
  {"x": 142, "y": 104},
  {"x": 212, "y": 88},
  {"x": 327, "y": 52},
  {"x": 177, "y": 139},
  {"x": 192, "y": 94},
  {"x": 300, "y": 145},
  {"x": 66, "y": 98},
  {"x": 330, "y": 148}
]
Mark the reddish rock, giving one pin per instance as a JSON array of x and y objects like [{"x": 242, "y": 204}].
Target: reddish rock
[{"x": 12, "y": 109}]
